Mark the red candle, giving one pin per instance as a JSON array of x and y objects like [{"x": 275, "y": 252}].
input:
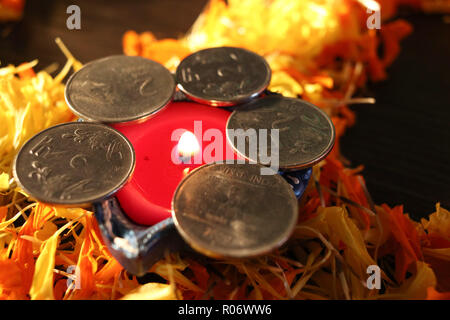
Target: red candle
[{"x": 162, "y": 160}]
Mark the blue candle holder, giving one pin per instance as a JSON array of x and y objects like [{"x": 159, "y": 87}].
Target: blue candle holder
[
  {"x": 298, "y": 180},
  {"x": 138, "y": 247}
]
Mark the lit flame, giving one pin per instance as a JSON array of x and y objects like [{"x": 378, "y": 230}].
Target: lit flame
[
  {"x": 370, "y": 4},
  {"x": 188, "y": 145}
]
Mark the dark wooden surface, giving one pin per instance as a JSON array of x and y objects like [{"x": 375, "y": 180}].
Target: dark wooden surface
[{"x": 403, "y": 140}]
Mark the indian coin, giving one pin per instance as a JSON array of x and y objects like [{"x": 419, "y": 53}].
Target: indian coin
[
  {"x": 293, "y": 131},
  {"x": 223, "y": 76},
  {"x": 119, "y": 89},
  {"x": 231, "y": 210},
  {"x": 74, "y": 163}
]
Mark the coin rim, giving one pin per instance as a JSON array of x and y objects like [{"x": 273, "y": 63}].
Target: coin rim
[
  {"x": 127, "y": 120},
  {"x": 223, "y": 102},
  {"x": 288, "y": 167},
  {"x": 235, "y": 253},
  {"x": 87, "y": 203}
]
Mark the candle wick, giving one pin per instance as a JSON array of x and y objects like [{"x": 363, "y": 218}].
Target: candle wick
[{"x": 185, "y": 159}]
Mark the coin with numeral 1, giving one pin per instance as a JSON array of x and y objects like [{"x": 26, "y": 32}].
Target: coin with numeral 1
[
  {"x": 223, "y": 76},
  {"x": 293, "y": 131},
  {"x": 231, "y": 210},
  {"x": 74, "y": 163},
  {"x": 119, "y": 89}
]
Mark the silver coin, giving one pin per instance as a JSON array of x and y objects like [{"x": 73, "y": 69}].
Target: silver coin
[
  {"x": 305, "y": 133},
  {"x": 231, "y": 210},
  {"x": 223, "y": 76},
  {"x": 119, "y": 89},
  {"x": 74, "y": 163}
]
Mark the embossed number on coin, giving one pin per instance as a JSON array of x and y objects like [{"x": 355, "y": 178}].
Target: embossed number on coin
[
  {"x": 74, "y": 163},
  {"x": 230, "y": 210}
]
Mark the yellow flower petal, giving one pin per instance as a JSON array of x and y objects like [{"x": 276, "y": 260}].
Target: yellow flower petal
[
  {"x": 42, "y": 285},
  {"x": 4, "y": 181},
  {"x": 283, "y": 83},
  {"x": 69, "y": 213},
  {"x": 417, "y": 285},
  {"x": 152, "y": 291}
]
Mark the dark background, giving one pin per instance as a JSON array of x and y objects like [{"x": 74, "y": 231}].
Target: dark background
[{"x": 402, "y": 140}]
